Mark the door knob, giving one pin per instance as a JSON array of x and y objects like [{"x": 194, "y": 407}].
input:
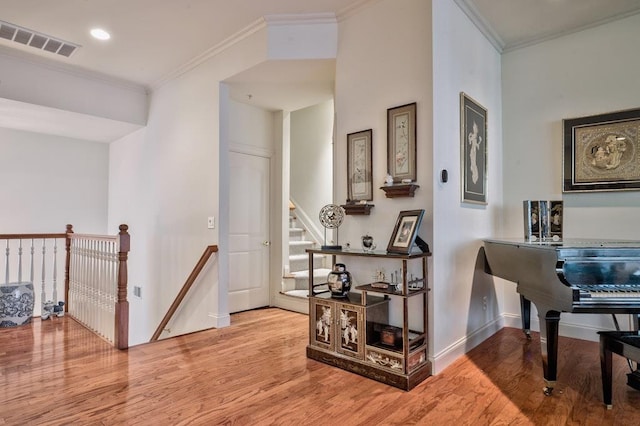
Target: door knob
[{"x": 266, "y": 243}]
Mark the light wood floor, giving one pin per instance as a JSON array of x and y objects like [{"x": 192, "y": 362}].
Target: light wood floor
[{"x": 255, "y": 372}]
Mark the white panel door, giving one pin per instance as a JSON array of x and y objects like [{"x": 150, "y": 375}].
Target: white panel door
[{"x": 248, "y": 232}]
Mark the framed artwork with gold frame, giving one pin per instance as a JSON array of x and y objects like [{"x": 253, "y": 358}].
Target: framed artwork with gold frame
[
  {"x": 359, "y": 166},
  {"x": 401, "y": 143},
  {"x": 602, "y": 152}
]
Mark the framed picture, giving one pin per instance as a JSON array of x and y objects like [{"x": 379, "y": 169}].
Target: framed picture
[
  {"x": 405, "y": 231},
  {"x": 602, "y": 152},
  {"x": 401, "y": 142},
  {"x": 359, "y": 166},
  {"x": 473, "y": 138}
]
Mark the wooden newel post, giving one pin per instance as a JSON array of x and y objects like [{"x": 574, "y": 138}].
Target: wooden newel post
[
  {"x": 67, "y": 265},
  {"x": 122, "y": 304}
]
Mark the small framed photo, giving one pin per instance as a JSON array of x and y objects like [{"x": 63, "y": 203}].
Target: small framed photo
[
  {"x": 359, "y": 166},
  {"x": 405, "y": 231},
  {"x": 401, "y": 142},
  {"x": 602, "y": 152},
  {"x": 473, "y": 138}
]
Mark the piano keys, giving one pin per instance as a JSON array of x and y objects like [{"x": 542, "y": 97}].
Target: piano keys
[{"x": 577, "y": 276}]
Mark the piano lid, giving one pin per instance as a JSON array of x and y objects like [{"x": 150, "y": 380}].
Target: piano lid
[
  {"x": 567, "y": 243},
  {"x": 577, "y": 247}
]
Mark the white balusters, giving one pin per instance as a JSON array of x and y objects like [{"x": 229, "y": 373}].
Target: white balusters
[
  {"x": 26, "y": 252},
  {"x": 43, "y": 295},
  {"x": 93, "y": 283},
  {"x": 31, "y": 270},
  {"x": 55, "y": 272},
  {"x": 6, "y": 264},
  {"x": 20, "y": 262}
]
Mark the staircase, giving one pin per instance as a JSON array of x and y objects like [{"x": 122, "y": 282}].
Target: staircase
[{"x": 296, "y": 282}]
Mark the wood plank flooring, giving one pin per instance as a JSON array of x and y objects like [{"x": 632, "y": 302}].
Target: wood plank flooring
[{"x": 255, "y": 372}]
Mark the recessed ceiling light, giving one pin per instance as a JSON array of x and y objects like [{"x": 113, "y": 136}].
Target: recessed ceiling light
[{"x": 100, "y": 34}]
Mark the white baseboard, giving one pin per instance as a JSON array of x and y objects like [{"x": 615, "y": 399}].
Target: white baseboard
[
  {"x": 295, "y": 304},
  {"x": 447, "y": 356},
  {"x": 566, "y": 329},
  {"x": 220, "y": 321}
]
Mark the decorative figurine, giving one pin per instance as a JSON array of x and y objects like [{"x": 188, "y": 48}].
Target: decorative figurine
[
  {"x": 367, "y": 243},
  {"x": 388, "y": 180},
  {"x": 49, "y": 309},
  {"x": 331, "y": 217}
]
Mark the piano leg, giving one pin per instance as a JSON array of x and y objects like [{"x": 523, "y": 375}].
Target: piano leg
[
  {"x": 525, "y": 314},
  {"x": 549, "y": 346}
]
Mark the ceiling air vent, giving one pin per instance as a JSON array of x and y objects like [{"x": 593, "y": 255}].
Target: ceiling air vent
[{"x": 37, "y": 40}]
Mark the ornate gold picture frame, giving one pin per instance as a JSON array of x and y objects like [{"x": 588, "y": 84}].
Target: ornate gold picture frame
[
  {"x": 401, "y": 143},
  {"x": 602, "y": 152},
  {"x": 359, "y": 166}
]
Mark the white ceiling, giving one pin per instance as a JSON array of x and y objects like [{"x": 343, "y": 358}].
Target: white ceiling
[
  {"x": 152, "y": 39},
  {"x": 511, "y": 24}
]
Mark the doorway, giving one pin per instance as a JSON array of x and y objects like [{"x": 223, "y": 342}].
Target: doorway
[{"x": 248, "y": 231}]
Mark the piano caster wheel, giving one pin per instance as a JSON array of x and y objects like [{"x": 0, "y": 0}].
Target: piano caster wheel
[{"x": 547, "y": 390}]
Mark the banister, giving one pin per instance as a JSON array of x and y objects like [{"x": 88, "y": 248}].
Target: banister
[
  {"x": 185, "y": 289},
  {"x": 30, "y": 236},
  {"x": 121, "y": 340}
]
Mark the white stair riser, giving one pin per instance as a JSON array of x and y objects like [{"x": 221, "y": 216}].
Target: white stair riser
[
  {"x": 296, "y": 234},
  {"x": 302, "y": 263},
  {"x": 295, "y": 249}
]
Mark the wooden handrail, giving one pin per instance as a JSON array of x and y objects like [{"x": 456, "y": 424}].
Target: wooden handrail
[
  {"x": 185, "y": 289},
  {"x": 30, "y": 236}
]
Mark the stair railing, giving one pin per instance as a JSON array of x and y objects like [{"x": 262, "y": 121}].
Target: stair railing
[
  {"x": 96, "y": 283},
  {"x": 184, "y": 290},
  {"x": 31, "y": 268}
]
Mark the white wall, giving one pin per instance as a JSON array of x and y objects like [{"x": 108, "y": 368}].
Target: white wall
[
  {"x": 589, "y": 72},
  {"x": 311, "y": 162},
  {"x": 384, "y": 61},
  {"x": 173, "y": 184},
  {"x": 51, "y": 181},
  {"x": 174, "y": 174},
  {"x": 465, "y": 302}
]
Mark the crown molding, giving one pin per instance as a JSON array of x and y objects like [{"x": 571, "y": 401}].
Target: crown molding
[
  {"x": 257, "y": 25},
  {"x": 74, "y": 70},
  {"x": 547, "y": 37},
  {"x": 300, "y": 19},
  {"x": 354, "y": 9},
  {"x": 478, "y": 20},
  {"x": 252, "y": 28}
]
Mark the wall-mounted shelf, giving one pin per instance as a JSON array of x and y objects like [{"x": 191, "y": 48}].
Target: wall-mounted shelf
[
  {"x": 400, "y": 190},
  {"x": 361, "y": 209}
]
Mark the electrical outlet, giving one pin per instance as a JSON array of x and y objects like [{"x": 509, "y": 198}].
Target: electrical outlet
[
  {"x": 484, "y": 303},
  {"x": 211, "y": 222}
]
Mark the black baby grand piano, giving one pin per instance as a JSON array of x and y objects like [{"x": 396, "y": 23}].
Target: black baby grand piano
[{"x": 579, "y": 276}]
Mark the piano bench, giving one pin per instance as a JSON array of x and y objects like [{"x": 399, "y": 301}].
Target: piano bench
[{"x": 626, "y": 344}]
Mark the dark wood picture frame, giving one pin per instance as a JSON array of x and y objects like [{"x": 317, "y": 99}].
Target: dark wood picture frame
[
  {"x": 473, "y": 141},
  {"x": 401, "y": 142},
  {"x": 360, "y": 166},
  {"x": 602, "y": 152},
  {"x": 405, "y": 231}
]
